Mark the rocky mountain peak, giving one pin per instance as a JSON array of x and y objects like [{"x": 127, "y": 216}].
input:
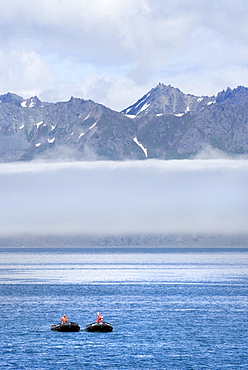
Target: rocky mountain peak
[
  {"x": 166, "y": 124},
  {"x": 32, "y": 102},
  {"x": 11, "y": 98},
  {"x": 166, "y": 99},
  {"x": 238, "y": 95}
]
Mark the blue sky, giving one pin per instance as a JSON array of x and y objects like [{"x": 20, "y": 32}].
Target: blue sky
[{"x": 114, "y": 51}]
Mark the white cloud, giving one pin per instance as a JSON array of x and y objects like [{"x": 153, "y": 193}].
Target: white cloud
[
  {"x": 24, "y": 72},
  {"x": 61, "y": 46},
  {"x": 198, "y": 196}
]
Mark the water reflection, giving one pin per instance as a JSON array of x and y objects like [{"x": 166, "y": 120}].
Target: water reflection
[{"x": 118, "y": 266}]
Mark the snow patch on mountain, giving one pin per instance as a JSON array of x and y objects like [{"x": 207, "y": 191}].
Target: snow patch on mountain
[
  {"x": 38, "y": 124},
  {"x": 51, "y": 140},
  {"x": 142, "y": 101},
  {"x": 141, "y": 146},
  {"x": 131, "y": 116},
  {"x": 94, "y": 124},
  {"x": 145, "y": 106}
]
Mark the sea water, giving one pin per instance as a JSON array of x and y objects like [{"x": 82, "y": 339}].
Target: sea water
[{"x": 170, "y": 308}]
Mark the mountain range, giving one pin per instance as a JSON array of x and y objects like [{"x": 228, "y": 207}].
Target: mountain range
[{"x": 164, "y": 124}]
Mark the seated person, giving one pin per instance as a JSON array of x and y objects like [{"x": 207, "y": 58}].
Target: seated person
[
  {"x": 99, "y": 317},
  {"x": 64, "y": 319}
]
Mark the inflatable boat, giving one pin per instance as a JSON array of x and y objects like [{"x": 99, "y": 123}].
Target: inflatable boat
[
  {"x": 68, "y": 326},
  {"x": 102, "y": 327}
]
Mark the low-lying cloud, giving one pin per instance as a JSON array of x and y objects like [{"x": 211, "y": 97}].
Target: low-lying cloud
[{"x": 197, "y": 196}]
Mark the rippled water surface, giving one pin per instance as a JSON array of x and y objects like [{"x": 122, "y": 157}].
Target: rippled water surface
[{"x": 170, "y": 308}]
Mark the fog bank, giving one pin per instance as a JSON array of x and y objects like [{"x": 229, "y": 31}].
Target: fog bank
[{"x": 186, "y": 196}]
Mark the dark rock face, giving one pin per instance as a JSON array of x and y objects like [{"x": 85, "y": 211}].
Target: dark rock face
[{"x": 165, "y": 124}]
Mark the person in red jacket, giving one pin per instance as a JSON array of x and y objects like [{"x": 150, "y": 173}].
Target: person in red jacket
[
  {"x": 99, "y": 317},
  {"x": 64, "y": 319}
]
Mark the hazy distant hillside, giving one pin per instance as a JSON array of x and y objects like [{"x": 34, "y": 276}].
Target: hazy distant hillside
[
  {"x": 165, "y": 124},
  {"x": 150, "y": 241}
]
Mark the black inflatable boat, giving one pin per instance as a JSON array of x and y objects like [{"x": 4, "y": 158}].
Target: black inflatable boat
[
  {"x": 102, "y": 327},
  {"x": 68, "y": 326}
]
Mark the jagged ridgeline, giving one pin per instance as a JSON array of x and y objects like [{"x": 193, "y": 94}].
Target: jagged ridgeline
[{"x": 164, "y": 124}]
